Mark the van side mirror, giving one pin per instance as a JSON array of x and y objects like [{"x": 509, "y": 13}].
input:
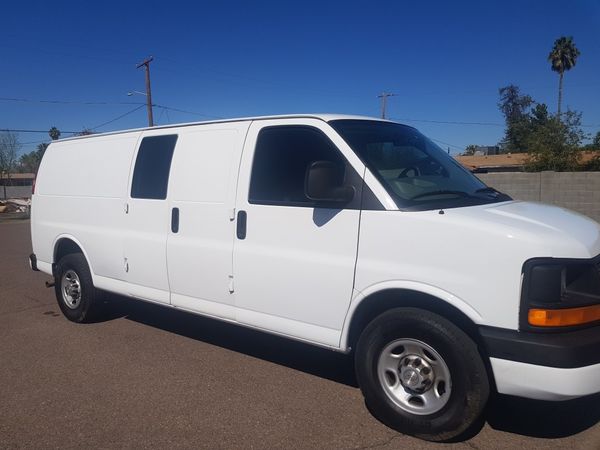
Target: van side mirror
[{"x": 325, "y": 183}]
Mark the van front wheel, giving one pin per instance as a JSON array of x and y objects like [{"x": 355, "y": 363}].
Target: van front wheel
[
  {"x": 75, "y": 293},
  {"x": 421, "y": 375}
]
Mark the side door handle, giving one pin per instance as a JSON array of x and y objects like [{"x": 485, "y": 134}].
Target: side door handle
[
  {"x": 175, "y": 220},
  {"x": 241, "y": 224}
]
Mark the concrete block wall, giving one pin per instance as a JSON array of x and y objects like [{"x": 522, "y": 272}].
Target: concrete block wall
[
  {"x": 519, "y": 185},
  {"x": 579, "y": 191}
]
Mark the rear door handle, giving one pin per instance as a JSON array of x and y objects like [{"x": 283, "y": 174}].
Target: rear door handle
[
  {"x": 241, "y": 224},
  {"x": 175, "y": 220}
]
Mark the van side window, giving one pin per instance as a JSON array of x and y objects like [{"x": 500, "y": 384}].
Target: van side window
[
  {"x": 282, "y": 156},
  {"x": 152, "y": 165}
]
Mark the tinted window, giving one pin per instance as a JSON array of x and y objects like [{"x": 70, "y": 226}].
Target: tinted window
[
  {"x": 152, "y": 165},
  {"x": 282, "y": 156}
]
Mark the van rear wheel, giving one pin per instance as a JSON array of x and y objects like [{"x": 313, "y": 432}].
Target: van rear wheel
[
  {"x": 75, "y": 293},
  {"x": 421, "y": 375}
]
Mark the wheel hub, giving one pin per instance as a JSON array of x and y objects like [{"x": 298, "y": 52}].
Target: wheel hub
[
  {"x": 414, "y": 376},
  {"x": 71, "y": 289},
  {"x": 416, "y": 373}
]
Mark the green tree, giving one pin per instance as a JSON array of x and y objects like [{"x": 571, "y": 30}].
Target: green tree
[
  {"x": 596, "y": 141},
  {"x": 539, "y": 116},
  {"x": 562, "y": 58},
  {"x": 9, "y": 147},
  {"x": 594, "y": 145},
  {"x": 54, "y": 133},
  {"x": 41, "y": 149},
  {"x": 515, "y": 108},
  {"x": 554, "y": 142},
  {"x": 30, "y": 162},
  {"x": 470, "y": 150}
]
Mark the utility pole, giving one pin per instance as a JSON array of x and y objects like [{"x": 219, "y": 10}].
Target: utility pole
[
  {"x": 146, "y": 64},
  {"x": 383, "y": 96}
]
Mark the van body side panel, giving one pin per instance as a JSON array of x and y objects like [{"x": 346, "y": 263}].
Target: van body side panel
[
  {"x": 294, "y": 269},
  {"x": 202, "y": 188},
  {"x": 80, "y": 192}
]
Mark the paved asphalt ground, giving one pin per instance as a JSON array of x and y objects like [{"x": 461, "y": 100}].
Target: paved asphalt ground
[{"x": 150, "y": 377}]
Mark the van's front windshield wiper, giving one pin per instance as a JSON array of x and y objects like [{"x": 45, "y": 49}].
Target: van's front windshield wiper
[
  {"x": 495, "y": 193},
  {"x": 441, "y": 192},
  {"x": 488, "y": 190}
]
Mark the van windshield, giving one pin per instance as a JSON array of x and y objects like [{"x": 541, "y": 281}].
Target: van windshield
[{"x": 417, "y": 173}]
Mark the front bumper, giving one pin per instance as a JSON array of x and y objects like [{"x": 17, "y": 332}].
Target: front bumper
[
  {"x": 545, "y": 383},
  {"x": 544, "y": 366}
]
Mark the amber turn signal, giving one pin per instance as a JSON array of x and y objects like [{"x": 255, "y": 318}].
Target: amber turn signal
[{"x": 563, "y": 317}]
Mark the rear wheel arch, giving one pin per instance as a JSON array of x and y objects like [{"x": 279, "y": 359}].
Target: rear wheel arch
[{"x": 66, "y": 245}]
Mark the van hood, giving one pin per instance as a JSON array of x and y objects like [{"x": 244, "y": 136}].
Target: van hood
[{"x": 556, "y": 231}]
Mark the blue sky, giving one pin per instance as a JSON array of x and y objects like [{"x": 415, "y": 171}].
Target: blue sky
[{"x": 444, "y": 60}]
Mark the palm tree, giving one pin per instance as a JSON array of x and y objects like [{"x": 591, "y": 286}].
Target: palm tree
[
  {"x": 54, "y": 133},
  {"x": 563, "y": 57}
]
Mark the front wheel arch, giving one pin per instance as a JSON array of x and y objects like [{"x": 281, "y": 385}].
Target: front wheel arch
[{"x": 382, "y": 301}]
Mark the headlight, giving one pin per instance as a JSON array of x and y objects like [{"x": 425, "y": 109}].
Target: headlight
[{"x": 560, "y": 292}]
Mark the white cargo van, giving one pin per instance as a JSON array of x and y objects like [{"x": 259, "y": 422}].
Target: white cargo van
[{"x": 350, "y": 233}]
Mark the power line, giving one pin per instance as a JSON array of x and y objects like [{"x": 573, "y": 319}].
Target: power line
[
  {"x": 168, "y": 108},
  {"x": 453, "y": 122},
  {"x": 165, "y": 108},
  {"x": 65, "y": 102},
  {"x": 94, "y": 103},
  {"x": 162, "y": 112},
  {"x": 446, "y": 143},
  {"x": 139, "y": 106},
  {"x": 33, "y": 131},
  {"x": 119, "y": 117}
]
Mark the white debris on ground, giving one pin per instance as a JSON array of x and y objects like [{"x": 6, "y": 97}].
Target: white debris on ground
[{"x": 15, "y": 205}]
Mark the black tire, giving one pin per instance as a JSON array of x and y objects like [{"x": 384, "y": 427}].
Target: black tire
[
  {"x": 85, "y": 301},
  {"x": 468, "y": 389}
]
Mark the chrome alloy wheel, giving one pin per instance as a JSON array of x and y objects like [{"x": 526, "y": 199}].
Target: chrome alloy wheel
[
  {"x": 414, "y": 376},
  {"x": 70, "y": 286}
]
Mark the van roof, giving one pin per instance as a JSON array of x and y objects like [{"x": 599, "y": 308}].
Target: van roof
[{"x": 323, "y": 117}]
